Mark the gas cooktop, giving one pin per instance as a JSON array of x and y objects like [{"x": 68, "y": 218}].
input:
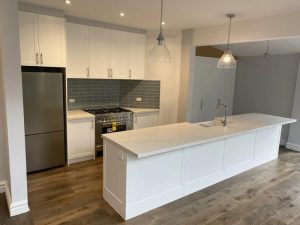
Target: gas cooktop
[{"x": 106, "y": 110}]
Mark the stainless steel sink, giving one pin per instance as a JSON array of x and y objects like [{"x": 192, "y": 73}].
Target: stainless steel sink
[{"x": 213, "y": 123}]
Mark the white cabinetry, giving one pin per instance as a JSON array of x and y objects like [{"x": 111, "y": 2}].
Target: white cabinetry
[
  {"x": 81, "y": 140},
  {"x": 42, "y": 40},
  {"x": 77, "y": 50},
  {"x": 94, "y": 52},
  {"x": 136, "y": 55},
  {"x": 118, "y": 50},
  {"x": 209, "y": 84},
  {"x": 99, "y": 52},
  {"x": 145, "y": 119}
]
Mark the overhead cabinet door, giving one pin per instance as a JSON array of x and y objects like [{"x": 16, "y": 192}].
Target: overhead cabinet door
[
  {"x": 28, "y": 38},
  {"x": 42, "y": 40},
  {"x": 99, "y": 52},
  {"x": 77, "y": 51},
  {"x": 51, "y": 40},
  {"x": 119, "y": 54},
  {"x": 136, "y": 55}
]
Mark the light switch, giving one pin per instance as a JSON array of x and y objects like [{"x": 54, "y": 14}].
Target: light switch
[
  {"x": 138, "y": 99},
  {"x": 72, "y": 100}
]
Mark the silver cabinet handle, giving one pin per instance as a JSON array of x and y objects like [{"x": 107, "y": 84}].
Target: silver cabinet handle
[
  {"x": 108, "y": 72},
  {"x": 111, "y": 73},
  {"x": 92, "y": 124},
  {"x": 201, "y": 105},
  {"x": 37, "y": 58},
  {"x": 129, "y": 73},
  {"x": 41, "y": 58}
]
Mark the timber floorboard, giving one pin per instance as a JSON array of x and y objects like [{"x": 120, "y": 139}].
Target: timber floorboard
[{"x": 266, "y": 195}]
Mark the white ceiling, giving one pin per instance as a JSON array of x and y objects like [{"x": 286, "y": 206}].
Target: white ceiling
[
  {"x": 179, "y": 14},
  {"x": 277, "y": 47}
]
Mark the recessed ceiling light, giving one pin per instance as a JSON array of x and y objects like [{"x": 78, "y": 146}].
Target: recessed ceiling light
[
  {"x": 163, "y": 23},
  {"x": 68, "y": 2},
  {"x": 122, "y": 14}
]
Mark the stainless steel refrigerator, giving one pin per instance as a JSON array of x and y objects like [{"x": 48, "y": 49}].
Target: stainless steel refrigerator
[{"x": 43, "y": 95}]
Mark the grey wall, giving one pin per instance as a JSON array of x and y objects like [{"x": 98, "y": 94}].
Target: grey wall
[
  {"x": 89, "y": 93},
  {"x": 266, "y": 86},
  {"x": 294, "y": 135}
]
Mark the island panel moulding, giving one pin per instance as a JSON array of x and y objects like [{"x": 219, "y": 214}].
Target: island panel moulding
[{"x": 147, "y": 168}]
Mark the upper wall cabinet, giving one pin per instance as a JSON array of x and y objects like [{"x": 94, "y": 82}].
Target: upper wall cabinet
[
  {"x": 94, "y": 52},
  {"x": 42, "y": 40},
  {"x": 77, "y": 51},
  {"x": 119, "y": 54},
  {"x": 136, "y": 55},
  {"x": 99, "y": 52}
]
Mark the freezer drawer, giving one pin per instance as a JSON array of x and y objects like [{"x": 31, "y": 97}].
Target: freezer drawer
[{"x": 44, "y": 151}]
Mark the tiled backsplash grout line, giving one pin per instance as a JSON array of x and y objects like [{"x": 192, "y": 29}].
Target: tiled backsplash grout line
[{"x": 89, "y": 93}]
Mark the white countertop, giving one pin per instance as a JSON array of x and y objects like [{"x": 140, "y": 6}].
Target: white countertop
[
  {"x": 79, "y": 114},
  {"x": 141, "y": 110},
  {"x": 156, "y": 140}
]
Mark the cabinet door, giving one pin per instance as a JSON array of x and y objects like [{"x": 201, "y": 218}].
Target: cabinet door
[
  {"x": 28, "y": 38},
  {"x": 210, "y": 84},
  {"x": 143, "y": 120},
  {"x": 99, "y": 51},
  {"x": 77, "y": 51},
  {"x": 51, "y": 40},
  {"x": 119, "y": 54},
  {"x": 136, "y": 55},
  {"x": 81, "y": 138}
]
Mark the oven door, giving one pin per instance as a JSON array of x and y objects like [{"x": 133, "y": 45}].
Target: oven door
[
  {"x": 113, "y": 127},
  {"x": 104, "y": 128}
]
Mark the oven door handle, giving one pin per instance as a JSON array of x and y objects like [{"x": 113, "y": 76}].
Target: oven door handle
[{"x": 108, "y": 124}]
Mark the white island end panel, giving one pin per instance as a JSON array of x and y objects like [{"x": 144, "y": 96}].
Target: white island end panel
[
  {"x": 152, "y": 181},
  {"x": 267, "y": 142},
  {"x": 114, "y": 177}
]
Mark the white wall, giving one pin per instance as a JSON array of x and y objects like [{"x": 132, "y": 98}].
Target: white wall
[
  {"x": 266, "y": 86},
  {"x": 267, "y": 28},
  {"x": 186, "y": 78},
  {"x": 11, "y": 81},
  {"x": 294, "y": 135},
  {"x": 168, "y": 74},
  {"x": 4, "y": 175}
]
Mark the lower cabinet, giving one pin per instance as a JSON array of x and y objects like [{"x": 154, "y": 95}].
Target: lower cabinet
[
  {"x": 81, "y": 140},
  {"x": 145, "y": 119}
]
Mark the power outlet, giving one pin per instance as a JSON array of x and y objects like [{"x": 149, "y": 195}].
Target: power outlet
[
  {"x": 138, "y": 99},
  {"x": 72, "y": 100}
]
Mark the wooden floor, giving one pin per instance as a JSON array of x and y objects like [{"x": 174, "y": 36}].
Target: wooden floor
[{"x": 267, "y": 195}]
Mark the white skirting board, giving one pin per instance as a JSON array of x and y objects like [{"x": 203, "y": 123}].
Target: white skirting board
[
  {"x": 283, "y": 142},
  {"x": 15, "y": 208},
  {"x": 292, "y": 146}
]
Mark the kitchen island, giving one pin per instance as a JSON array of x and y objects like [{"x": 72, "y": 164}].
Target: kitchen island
[{"x": 147, "y": 168}]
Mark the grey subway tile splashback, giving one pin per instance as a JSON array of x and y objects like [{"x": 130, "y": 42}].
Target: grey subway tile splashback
[{"x": 97, "y": 93}]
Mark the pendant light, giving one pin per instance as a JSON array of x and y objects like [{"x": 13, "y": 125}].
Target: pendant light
[
  {"x": 160, "y": 52},
  {"x": 227, "y": 61},
  {"x": 267, "y": 52}
]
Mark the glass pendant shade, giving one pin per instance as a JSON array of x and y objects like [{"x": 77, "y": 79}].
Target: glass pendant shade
[
  {"x": 160, "y": 53},
  {"x": 227, "y": 61}
]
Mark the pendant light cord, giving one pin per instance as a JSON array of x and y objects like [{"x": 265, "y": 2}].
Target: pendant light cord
[
  {"x": 229, "y": 32},
  {"x": 161, "y": 15}
]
